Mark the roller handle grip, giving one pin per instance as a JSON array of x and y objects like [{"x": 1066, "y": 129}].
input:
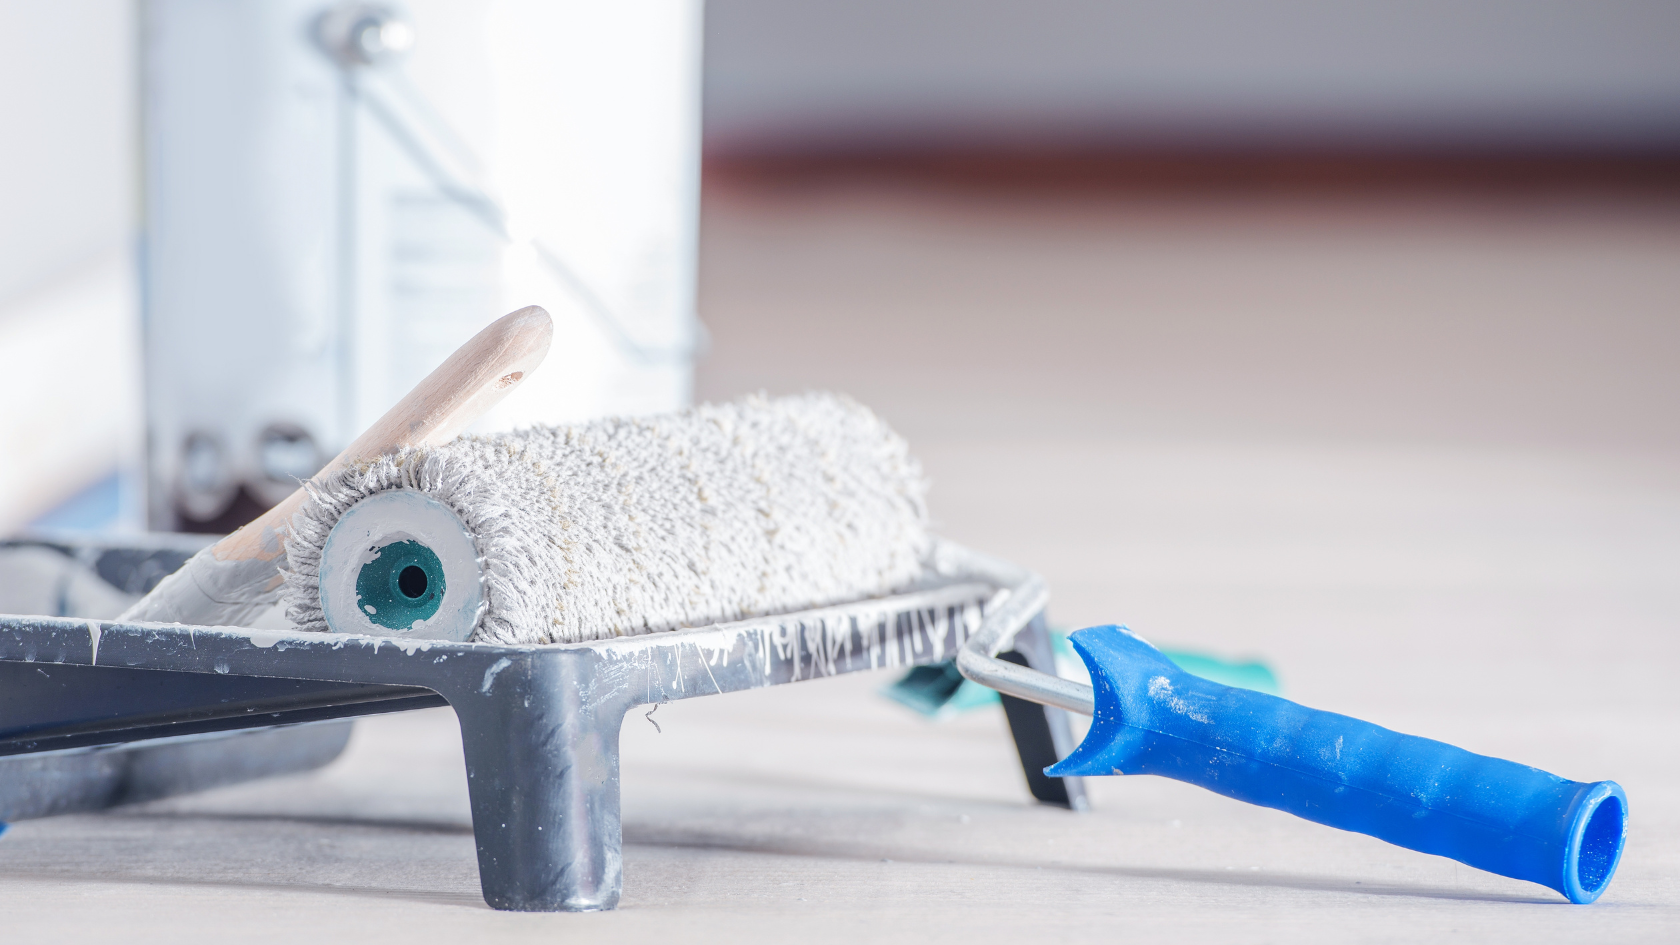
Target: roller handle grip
[{"x": 1153, "y": 718}]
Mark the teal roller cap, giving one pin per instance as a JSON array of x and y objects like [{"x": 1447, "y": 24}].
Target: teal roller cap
[
  {"x": 1507, "y": 818},
  {"x": 403, "y": 584}
]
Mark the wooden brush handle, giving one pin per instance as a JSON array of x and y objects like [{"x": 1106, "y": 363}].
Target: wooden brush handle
[{"x": 235, "y": 579}]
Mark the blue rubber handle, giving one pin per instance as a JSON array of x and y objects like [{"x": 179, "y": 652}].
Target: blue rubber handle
[{"x": 1154, "y": 718}]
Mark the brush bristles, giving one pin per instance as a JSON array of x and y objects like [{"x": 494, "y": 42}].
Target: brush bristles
[{"x": 635, "y": 525}]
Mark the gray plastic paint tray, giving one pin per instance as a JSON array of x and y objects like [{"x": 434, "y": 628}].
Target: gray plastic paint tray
[{"x": 539, "y": 724}]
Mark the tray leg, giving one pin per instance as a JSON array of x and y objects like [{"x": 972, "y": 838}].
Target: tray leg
[{"x": 542, "y": 772}]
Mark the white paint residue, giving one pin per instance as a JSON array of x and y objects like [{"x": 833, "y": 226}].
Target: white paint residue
[
  {"x": 877, "y": 633},
  {"x": 490, "y": 674},
  {"x": 832, "y": 641},
  {"x": 891, "y": 644},
  {"x": 785, "y": 648},
  {"x": 93, "y": 640},
  {"x": 706, "y": 664},
  {"x": 795, "y": 649},
  {"x": 810, "y": 641},
  {"x": 264, "y": 640},
  {"x": 1338, "y": 748},
  {"x": 1161, "y": 690},
  {"x": 794, "y": 646},
  {"x": 829, "y": 642}
]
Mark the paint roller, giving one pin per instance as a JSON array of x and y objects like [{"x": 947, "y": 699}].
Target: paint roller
[
  {"x": 642, "y": 525},
  {"x": 615, "y": 527},
  {"x": 560, "y": 534}
]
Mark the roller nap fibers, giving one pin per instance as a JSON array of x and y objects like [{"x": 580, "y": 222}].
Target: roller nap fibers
[{"x": 616, "y": 527}]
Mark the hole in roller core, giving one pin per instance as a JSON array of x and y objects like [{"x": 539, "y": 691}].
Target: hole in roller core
[
  {"x": 1598, "y": 845},
  {"x": 412, "y": 582},
  {"x": 402, "y": 583}
]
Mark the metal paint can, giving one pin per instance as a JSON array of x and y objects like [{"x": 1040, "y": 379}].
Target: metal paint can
[{"x": 336, "y": 195}]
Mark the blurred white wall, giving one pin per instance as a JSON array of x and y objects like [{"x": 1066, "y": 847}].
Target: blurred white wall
[
  {"x": 803, "y": 74},
  {"x": 69, "y": 360},
  {"x": 810, "y": 75},
  {"x": 67, "y": 140}
]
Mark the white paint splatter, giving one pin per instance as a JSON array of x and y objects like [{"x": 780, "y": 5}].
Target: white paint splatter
[
  {"x": 706, "y": 665},
  {"x": 827, "y": 642},
  {"x": 1161, "y": 690},
  {"x": 93, "y": 640},
  {"x": 491, "y": 673}
]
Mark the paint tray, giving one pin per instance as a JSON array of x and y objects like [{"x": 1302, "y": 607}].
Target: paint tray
[{"x": 539, "y": 724}]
